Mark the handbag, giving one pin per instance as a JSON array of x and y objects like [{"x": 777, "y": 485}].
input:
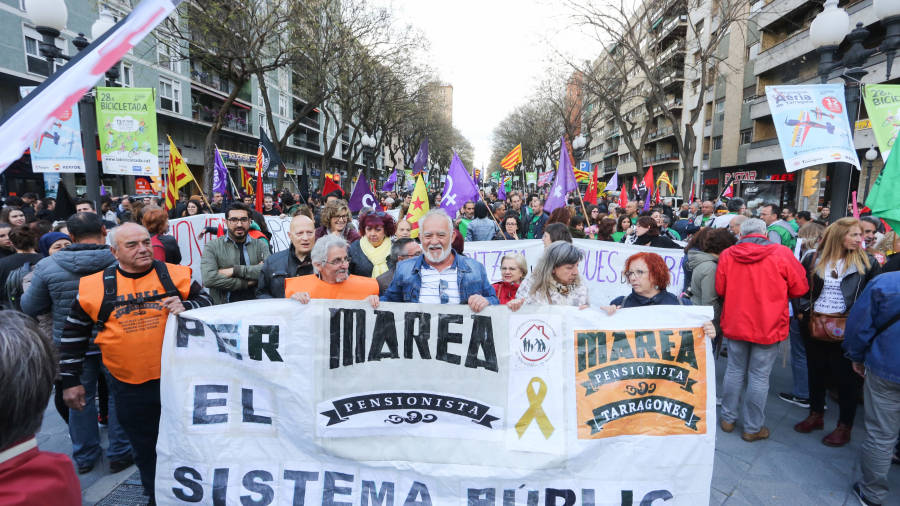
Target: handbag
[{"x": 827, "y": 327}]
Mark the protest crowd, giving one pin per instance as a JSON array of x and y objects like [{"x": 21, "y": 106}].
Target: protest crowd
[{"x": 87, "y": 299}]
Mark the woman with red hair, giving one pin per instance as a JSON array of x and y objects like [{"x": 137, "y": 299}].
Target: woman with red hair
[
  {"x": 648, "y": 276},
  {"x": 368, "y": 255}
]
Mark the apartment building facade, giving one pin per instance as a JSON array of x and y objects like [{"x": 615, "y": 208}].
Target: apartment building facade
[{"x": 187, "y": 98}]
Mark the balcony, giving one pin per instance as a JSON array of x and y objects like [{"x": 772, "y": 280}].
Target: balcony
[
  {"x": 660, "y": 158},
  {"x": 675, "y": 49},
  {"x": 673, "y": 78},
  {"x": 306, "y": 139},
  {"x": 611, "y": 134},
  {"x": 670, "y": 26},
  {"x": 205, "y": 107},
  {"x": 661, "y": 133}
]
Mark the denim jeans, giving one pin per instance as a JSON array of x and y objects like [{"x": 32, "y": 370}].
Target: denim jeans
[
  {"x": 798, "y": 360},
  {"x": 754, "y": 363},
  {"x": 83, "y": 424},
  {"x": 882, "y": 411},
  {"x": 139, "y": 411}
]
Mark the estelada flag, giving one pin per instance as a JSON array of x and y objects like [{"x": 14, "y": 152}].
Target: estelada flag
[
  {"x": 582, "y": 175},
  {"x": 512, "y": 159},
  {"x": 418, "y": 206},
  {"x": 179, "y": 175},
  {"x": 664, "y": 178},
  {"x": 246, "y": 183}
]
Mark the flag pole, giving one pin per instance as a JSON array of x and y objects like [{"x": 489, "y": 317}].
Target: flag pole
[
  {"x": 489, "y": 209},
  {"x": 198, "y": 188}
]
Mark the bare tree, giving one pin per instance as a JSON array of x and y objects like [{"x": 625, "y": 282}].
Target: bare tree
[
  {"x": 232, "y": 39},
  {"x": 624, "y": 28},
  {"x": 536, "y": 125}
]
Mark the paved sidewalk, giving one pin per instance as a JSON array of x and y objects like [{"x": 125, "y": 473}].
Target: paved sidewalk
[{"x": 788, "y": 468}]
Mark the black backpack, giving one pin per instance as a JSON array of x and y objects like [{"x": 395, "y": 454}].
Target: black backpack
[
  {"x": 14, "y": 288},
  {"x": 110, "y": 303}
]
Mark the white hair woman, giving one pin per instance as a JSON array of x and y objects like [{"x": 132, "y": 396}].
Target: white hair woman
[
  {"x": 555, "y": 280},
  {"x": 513, "y": 269}
]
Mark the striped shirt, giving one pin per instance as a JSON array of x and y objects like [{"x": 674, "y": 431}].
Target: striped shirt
[{"x": 432, "y": 283}]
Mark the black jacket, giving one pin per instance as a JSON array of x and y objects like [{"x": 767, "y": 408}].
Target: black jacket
[
  {"x": 276, "y": 268},
  {"x": 851, "y": 286},
  {"x": 656, "y": 241}
]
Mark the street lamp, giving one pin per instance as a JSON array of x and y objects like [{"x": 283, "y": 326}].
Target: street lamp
[
  {"x": 368, "y": 143},
  {"x": 827, "y": 32},
  {"x": 871, "y": 155}
]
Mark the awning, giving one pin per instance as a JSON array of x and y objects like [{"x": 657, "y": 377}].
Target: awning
[{"x": 656, "y": 23}]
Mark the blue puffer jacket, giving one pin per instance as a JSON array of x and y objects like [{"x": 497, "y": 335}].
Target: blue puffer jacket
[
  {"x": 470, "y": 277},
  {"x": 55, "y": 282},
  {"x": 873, "y": 329}
]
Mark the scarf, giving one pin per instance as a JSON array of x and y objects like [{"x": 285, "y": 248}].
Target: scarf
[{"x": 378, "y": 256}]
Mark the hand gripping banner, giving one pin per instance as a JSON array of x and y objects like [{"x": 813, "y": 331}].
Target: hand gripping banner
[{"x": 276, "y": 402}]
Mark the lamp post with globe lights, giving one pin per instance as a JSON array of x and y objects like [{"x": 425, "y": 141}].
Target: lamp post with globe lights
[
  {"x": 368, "y": 142},
  {"x": 49, "y": 18},
  {"x": 871, "y": 155},
  {"x": 827, "y": 31}
]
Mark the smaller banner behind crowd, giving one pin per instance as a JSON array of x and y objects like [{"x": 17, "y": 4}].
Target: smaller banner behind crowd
[
  {"x": 275, "y": 402},
  {"x": 601, "y": 268}
]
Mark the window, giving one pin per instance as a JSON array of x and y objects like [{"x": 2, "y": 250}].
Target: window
[
  {"x": 126, "y": 75},
  {"x": 698, "y": 28},
  {"x": 720, "y": 109},
  {"x": 169, "y": 95},
  {"x": 167, "y": 57},
  {"x": 283, "y": 81},
  {"x": 262, "y": 121},
  {"x": 34, "y": 62},
  {"x": 717, "y": 142},
  {"x": 746, "y": 136},
  {"x": 282, "y": 105}
]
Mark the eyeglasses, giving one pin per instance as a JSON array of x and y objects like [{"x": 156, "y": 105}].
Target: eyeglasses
[
  {"x": 342, "y": 217},
  {"x": 339, "y": 261},
  {"x": 442, "y": 293},
  {"x": 638, "y": 273},
  {"x": 238, "y": 220}
]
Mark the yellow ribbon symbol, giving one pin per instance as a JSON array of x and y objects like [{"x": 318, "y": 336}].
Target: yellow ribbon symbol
[{"x": 535, "y": 411}]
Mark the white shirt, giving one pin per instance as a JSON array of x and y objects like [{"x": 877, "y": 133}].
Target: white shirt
[
  {"x": 831, "y": 300},
  {"x": 723, "y": 221},
  {"x": 430, "y": 293}
]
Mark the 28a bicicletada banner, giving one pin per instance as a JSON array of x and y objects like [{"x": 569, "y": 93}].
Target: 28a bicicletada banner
[{"x": 275, "y": 402}]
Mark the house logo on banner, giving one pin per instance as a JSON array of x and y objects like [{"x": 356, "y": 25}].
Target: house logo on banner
[
  {"x": 536, "y": 342},
  {"x": 639, "y": 382}
]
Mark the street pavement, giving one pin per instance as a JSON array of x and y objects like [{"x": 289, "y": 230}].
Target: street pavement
[{"x": 788, "y": 468}]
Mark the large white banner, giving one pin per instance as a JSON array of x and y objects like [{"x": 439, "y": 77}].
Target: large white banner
[
  {"x": 601, "y": 268},
  {"x": 275, "y": 402}
]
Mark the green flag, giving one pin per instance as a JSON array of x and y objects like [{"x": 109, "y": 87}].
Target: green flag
[
  {"x": 883, "y": 104},
  {"x": 882, "y": 199}
]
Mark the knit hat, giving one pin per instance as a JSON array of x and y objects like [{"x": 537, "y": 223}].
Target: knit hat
[{"x": 48, "y": 239}]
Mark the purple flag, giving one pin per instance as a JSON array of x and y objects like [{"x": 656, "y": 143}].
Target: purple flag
[
  {"x": 362, "y": 196},
  {"x": 220, "y": 173},
  {"x": 647, "y": 200},
  {"x": 458, "y": 188},
  {"x": 421, "y": 159},
  {"x": 613, "y": 181},
  {"x": 389, "y": 184},
  {"x": 501, "y": 191},
  {"x": 565, "y": 180}
]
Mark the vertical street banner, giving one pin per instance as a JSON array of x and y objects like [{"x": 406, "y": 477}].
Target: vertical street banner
[
  {"x": 126, "y": 127},
  {"x": 531, "y": 177},
  {"x": 58, "y": 148},
  {"x": 811, "y": 124},
  {"x": 333, "y": 402},
  {"x": 883, "y": 104}
]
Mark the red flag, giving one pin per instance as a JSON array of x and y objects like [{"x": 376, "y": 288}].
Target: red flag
[
  {"x": 623, "y": 196},
  {"x": 692, "y": 193},
  {"x": 648, "y": 179},
  {"x": 658, "y": 200},
  {"x": 220, "y": 231},
  {"x": 634, "y": 184},
  {"x": 259, "y": 178},
  {"x": 591, "y": 194}
]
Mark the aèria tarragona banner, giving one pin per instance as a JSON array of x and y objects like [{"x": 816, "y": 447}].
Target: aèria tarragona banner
[
  {"x": 601, "y": 268},
  {"x": 275, "y": 402},
  {"x": 811, "y": 124}
]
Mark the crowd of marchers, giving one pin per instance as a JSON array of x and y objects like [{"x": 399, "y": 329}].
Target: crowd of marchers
[{"x": 87, "y": 297}]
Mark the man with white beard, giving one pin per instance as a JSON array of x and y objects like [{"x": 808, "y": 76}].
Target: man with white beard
[{"x": 440, "y": 276}]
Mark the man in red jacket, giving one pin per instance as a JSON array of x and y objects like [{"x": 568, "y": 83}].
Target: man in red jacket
[{"x": 755, "y": 278}]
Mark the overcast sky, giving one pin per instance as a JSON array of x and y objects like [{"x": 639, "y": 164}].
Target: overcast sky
[{"x": 493, "y": 52}]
